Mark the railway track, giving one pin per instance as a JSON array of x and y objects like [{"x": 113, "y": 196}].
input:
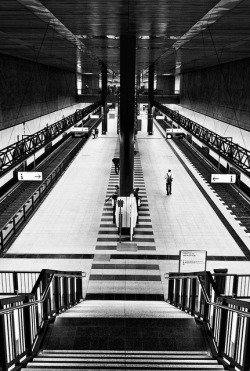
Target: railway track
[{"x": 235, "y": 200}]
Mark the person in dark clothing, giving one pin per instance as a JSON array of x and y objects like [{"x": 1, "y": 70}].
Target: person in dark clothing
[
  {"x": 169, "y": 179},
  {"x": 114, "y": 197},
  {"x": 137, "y": 197},
  {"x": 116, "y": 162}
]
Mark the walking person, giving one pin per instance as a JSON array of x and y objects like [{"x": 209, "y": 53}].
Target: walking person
[
  {"x": 169, "y": 179},
  {"x": 114, "y": 197},
  {"x": 116, "y": 162}
]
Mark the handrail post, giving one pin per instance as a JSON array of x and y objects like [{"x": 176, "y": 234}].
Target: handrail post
[
  {"x": 171, "y": 291},
  {"x": 45, "y": 303},
  {"x": 15, "y": 283},
  {"x": 246, "y": 357},
  {"x": 235, "y": 285},
  {"x": 206, "y": 306},
  {"x": 79, "y": 289},
  {"x": 27, "y": 327},
  {"x": 3, "y": 360},
  {"x": 57, "y": 294},
  {"x": 193, "y": 296},
  {"x": 223, "y": 329},
  {"x": 183, "y": 295}
]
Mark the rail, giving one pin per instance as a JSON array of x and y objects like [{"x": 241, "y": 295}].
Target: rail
[
  {"x": 16, "y": 153},
  {"x": 227, "y": 318},
  {"x": 29, "y": 205},
  {"x": 235, "y": 154},
  {"x": 23, "y": 318}
]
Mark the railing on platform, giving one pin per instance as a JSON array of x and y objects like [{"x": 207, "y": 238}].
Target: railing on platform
[
  {"x": 224, "y": 146},
  {"x": 227, "y": 319},
  {"x": 18, "y": 219},
  {"x": 24, "y": 317},
  {"x": 19, "y": 151}
]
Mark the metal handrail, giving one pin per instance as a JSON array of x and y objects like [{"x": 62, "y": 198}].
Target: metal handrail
[
  {"x": 207, "y": 300},
  {"x": 36, "y": 302}
]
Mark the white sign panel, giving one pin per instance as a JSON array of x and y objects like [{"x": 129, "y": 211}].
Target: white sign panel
[
  {"x": 80, "y": 129},
  {"x": 159, "y": 117},
  {"x": 192, "y": 261},
  {"x": 223, "y": 178},
  {"x": 30, "y": 175}
]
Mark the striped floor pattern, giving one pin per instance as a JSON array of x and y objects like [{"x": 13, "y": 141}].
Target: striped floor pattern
[{"x": 113, "y": 276}]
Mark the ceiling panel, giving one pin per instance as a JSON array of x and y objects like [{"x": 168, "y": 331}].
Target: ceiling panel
[{"x": 178, "y": 36}]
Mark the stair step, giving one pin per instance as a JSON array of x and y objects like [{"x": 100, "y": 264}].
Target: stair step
[
  {"x": 126, "y": 352},
  {"x": 121, "y": 360},
  {"x": 126, "y": 356},
  {"x": 124, "y": 365}
]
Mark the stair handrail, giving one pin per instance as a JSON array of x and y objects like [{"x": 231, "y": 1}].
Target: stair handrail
[
  {"x": 227, "y": 321},
  {"x": 36, "y": 302},
  {"x": 208, "y": 301},
  {"x": 54, "y": 292}
]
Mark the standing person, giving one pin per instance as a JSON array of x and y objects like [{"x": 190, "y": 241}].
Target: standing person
[
  {"x": 169, "y": 179},
  {"x": 114, "y": 197},
  {"x": 93, "y": 134},
  {"x": 96, "y": 132}
]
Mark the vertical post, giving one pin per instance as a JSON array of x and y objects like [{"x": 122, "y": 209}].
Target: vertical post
[
  {"x": 222, "y": 329},
  {"x": 150, "y": 98},
  {"x": 104, "y": 98},
  {"x": 127, "y": 113},
  {"x": 3, "y": 336},
  {"x": 27, "y": 326},
  {"x": 246, "y": 357},
  {"x": 15, "y": 283}
]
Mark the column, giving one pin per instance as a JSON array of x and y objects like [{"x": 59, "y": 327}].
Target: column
[
  {"x": 127, "y": 113},
  {"x": 150, "y": 99},
  {"x": 104, "y": 99}
]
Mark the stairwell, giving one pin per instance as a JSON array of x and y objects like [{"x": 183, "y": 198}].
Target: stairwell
[{"x": 124, "y": 335}]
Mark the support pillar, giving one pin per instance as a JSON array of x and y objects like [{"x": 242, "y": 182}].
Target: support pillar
[
  {"x": 104, "y": 99},
  {"x": 150, "y": 99},
  {"x": 127, "y": 113}
]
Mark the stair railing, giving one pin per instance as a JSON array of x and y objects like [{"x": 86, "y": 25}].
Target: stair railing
[
  {"x": 23, "y": 318},
  {"x": 227, "y": 318}
]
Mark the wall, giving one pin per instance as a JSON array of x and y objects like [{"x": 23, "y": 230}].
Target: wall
[
  {"x": 238, "y": 135},
  {"x": 29, "y": 90},
  {"x": 165, "y": 83},
  {"x": 10, "y": 135},
  {"x": 221, "y": 92}
]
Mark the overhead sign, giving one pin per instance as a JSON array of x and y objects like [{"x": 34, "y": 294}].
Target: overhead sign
[
  {"x": 223, "y": 178},
  {"x": 192, "y": 261},
  {"x": 80, "y": 129},
  {"x": 30, "y": 175}
]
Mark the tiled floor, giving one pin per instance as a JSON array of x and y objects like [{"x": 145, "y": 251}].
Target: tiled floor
[{"x": 66, "y": 232}]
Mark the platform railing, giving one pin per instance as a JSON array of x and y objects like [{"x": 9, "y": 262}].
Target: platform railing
[
  {"x": 227, "y": 318},
  {"x": 30, "y": 144},
  {"x": 23, "y": 318},
  {"x": 18, "y": 219},
  {"x": 223, "y": 146}
]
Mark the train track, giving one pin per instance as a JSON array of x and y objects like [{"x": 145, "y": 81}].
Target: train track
[{"x": 235, "y": 200}]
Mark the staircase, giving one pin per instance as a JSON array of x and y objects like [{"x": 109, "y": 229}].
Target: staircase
[
  {"x": 122, "y": 360},
  {"x": 124, "y": 335}
]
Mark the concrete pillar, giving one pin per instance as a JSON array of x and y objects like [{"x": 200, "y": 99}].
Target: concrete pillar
[
  {"x": 104, "y": 99},
  {"x": 127, "y": 113},
  {"x": 150, "y": 99}
]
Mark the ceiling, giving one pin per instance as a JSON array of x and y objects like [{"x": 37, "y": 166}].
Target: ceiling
[{"x": 177, "y": 35}]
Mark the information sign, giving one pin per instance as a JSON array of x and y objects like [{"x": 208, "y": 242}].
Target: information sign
[
  {"x": 223, "y": 178},
  {"x": 192, "y": 261},
  {"x": 30, "y": 175}
]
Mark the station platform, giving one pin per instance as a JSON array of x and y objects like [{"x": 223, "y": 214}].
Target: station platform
[{"x": 73, "y": 228}]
